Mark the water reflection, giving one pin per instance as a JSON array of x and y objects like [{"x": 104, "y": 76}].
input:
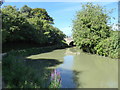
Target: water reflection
[
  {"x": 83, "y": 70},
  {"x": 67, "y": 78},
  {"x": 66, "y": 72}
]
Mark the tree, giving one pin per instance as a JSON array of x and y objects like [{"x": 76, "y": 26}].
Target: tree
[
  {"x": 90, "y": 27},
  {"x": 26, "y": 11},
  {"x": 14, "y": 25},
  {"x": 37, "y": 29},
  {"x": 42, "y": 14}
]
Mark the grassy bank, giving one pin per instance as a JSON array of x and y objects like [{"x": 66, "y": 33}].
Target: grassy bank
[{"x": 18, "y": 72}]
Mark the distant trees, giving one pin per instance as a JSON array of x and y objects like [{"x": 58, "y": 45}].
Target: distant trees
[
  {"x": 90, "y": 28},
  {"x": 29, "y": 24}
]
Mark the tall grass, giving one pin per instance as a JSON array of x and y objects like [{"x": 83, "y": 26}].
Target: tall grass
[{"x": 16, "y": 74}]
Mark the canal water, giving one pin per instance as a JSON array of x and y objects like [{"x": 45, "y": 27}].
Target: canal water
[{"x": 83, "y": 70}]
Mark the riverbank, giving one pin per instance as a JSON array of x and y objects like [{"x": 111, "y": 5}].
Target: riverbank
[
  {"x": 78, "y": 69},
  {"x": 31, "y": 68},
  {"x": 17, "y": 73}
]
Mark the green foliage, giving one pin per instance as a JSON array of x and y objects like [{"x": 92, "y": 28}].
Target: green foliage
[
  {"x": 31, "y": 25},
  {"x": 90, "y": 27},
  {"x": 92, "y": 34},
  {"x": 18, "y": 74},
  {"x": 24, "y": 26},
  {"x": 15, "y": 27},
  {"x": 26, "y": 11},
  {"x": 54, "y": 34},
  {"x": 42, "y": 14},
  {"x": 110, "y": 46},
  {"x": 45, "y": 32}
]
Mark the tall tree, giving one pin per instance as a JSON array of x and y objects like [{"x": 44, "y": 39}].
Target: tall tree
[
  {"x": 90, "y": 27},
  {"x": 36, "y": 27},
  {"x": 26, "y": 11},
  {"x": 14, "y": 25},
  {"x": 42, "y": 14}
]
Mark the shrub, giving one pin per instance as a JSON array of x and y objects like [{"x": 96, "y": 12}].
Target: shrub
[{"x": 110, "y": 46}]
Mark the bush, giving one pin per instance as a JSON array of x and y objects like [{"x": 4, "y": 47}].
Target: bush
[{"x": 110, "y": 46}]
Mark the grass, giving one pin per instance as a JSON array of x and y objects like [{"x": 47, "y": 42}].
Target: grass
[{"x": 20, "y": 72}]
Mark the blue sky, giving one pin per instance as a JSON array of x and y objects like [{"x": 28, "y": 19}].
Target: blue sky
[{"x": 64, "y": 12}]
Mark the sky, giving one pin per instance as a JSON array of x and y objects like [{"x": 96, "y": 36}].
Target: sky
[{"x": 64, "y": 12}]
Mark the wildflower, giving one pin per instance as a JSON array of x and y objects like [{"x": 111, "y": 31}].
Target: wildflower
[{"x": 55, "y": 79}]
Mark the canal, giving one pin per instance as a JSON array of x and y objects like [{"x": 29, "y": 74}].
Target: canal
[{"x": 82, "y": 70}]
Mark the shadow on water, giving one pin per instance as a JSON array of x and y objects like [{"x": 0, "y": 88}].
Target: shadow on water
[
  {"x": 43, "y": 63},
  {"x": 76, "y": 78},
  {"x": 42, "y": 69},
  {"x": 78, "y": 70}
]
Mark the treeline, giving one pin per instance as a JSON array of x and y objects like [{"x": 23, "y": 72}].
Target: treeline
[
  {"x": 92, "y": 33},
  {"x": 29, "y": 25}
]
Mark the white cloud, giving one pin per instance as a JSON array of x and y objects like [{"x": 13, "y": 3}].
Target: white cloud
[{"x": 61, "y": 1}]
